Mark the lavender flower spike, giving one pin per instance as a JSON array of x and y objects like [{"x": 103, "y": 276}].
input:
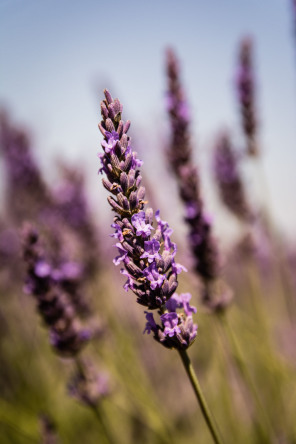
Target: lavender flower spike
[
  {"x": 67, "y": 335},
  {"x": 228, "y": 179},
  {"x": 145, "y": 246},
  {"x": 180, "y": 157},
  {"x": 245, "y": 86}
]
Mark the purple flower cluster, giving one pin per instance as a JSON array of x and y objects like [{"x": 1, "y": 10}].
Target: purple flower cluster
[
  {"x": 245, "y": 86},
  {"x": 26, "y": 190},
  {"x": 228, "y": 179},
  {"x": 88, "y": 385},
  {"x": 144, "y": 248},
  {"x": 45, "y": 282},
  {"x": 180, "y": 156},
  {"x": 71, "y": 207}
]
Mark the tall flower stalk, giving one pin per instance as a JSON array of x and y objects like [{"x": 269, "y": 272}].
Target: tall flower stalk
[
  {"x": 201, "y": 241},
  {"x": 26, "y": 192},
  {"x": 144, "y": 244},
  {"x": 228, "y": 179},
  {"x": 68, "y": 335},
  {"x": 245, "y": 87},
  {"x": 203, "y": 247}
]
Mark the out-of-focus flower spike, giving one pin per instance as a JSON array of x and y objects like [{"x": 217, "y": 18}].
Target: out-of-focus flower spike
[
  {"x": 67, "y": 335},
  {"x": 201, "y": 241},
  {"x": 245, "y": 87},
  {"x": 228, "y": 178}
]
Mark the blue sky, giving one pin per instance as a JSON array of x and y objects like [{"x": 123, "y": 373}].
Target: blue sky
[{"x": 58, "y": 55}]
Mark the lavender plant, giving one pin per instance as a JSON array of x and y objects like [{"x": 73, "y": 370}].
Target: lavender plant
[
  {"x": 228, "y": 179},
  {"x": 201, "y": 241},
  {"x": 26, "y": 190},
  {"x": 71, "y": 206},
  {"x": 245, "y": 87},
  {"x": 67, "y": 335},
  {"x": 147, "y": 253},
  {"x": 216, "y": 297}
]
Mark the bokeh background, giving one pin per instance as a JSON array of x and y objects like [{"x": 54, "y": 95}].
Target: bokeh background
[{"x": 57, "y": 57}]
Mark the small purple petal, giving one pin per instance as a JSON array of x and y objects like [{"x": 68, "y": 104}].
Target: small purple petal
[
  {"x": 170, "y": 322},
  {"x": 138, "y": 221},
  {"x": 151, "y": 250},
  {"x": 130, "y": 282},
  {"x": 178, "y": 268},
  {"x": 122, "y": 254},
  {"x": 111, "y": 141},
  {"x": 150, "y": 324},
  {"x": 156, "y": 279}
]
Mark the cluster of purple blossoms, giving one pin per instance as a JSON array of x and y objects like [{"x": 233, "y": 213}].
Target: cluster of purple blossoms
[
  {"x": 88, "y": 385},
  {"x": 71, "y": 207},
  {"x": 245, "y": 86},
  {"x": 26, "y": 190},
  {"x": 144, "y": 249},
  {"x": 180, "y": 156},
  {"x": 67, "y": 335},
  {"x": 228, "y": 178}
]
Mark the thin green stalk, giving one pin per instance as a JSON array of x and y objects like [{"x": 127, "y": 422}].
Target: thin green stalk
[
  {"x": 96, "y": 409},
  {"x": 200, "y": 397},
  {"x": 98, "y": 413},
  {"x": 276, "y": 244},
  {"x": 265, "y": 425}
]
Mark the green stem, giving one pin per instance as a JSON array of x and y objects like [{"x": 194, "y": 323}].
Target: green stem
[
  {"x": 104, "y": 428},
  {"x": 266, "y": 427},
  {"x": 200, "y": 397},
  {"x": 96, "y": 409}
]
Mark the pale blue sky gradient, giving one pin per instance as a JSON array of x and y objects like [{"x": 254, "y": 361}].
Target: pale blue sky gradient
[{"x": 57, "y": 56}]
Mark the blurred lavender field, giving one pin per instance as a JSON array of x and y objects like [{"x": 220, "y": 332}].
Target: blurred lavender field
[{"x": 210, "y": 93}]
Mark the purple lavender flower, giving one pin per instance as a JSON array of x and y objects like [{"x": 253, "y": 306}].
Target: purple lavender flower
[
  {"x": 170, "y": 322},
  {"x": 148, "y": 258},
  {"x": 155, "y": 278},
  {"x": 26, "y": 190},
  {"x": 122, "y": 254},
  {"x": 180, "y": 156},
  {"x": 245, "y": 87},
  {"x": 180, "y": 301},
  {"x": 70, "y": 206},
  {"x": 151, "y": 250},
  {"x": 150, "y": 324},
  {"x": 228, "y": 179},
  {"x": 110, "y": 144},
  {"x": 88, "y": 385},
  {"x": 67, "y": 335},
  {"x": 139, "y": 222}
]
